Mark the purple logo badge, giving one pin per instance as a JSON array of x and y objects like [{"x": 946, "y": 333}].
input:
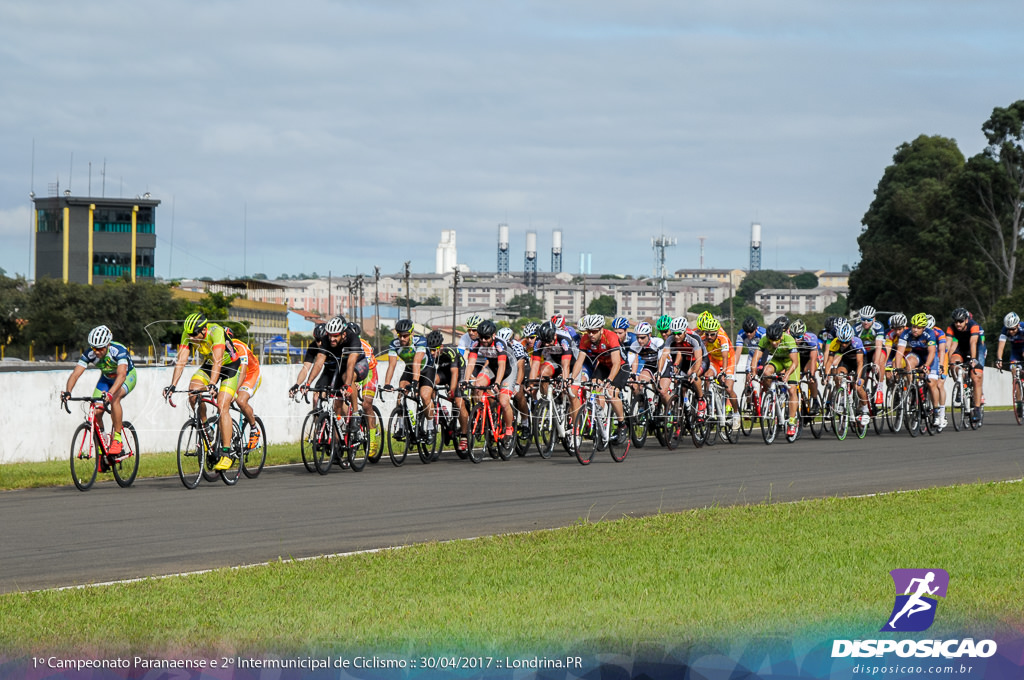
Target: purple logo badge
[{"x": 916, "y": 593}]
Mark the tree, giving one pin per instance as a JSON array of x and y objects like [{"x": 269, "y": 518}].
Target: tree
[
  {"x": 704, "y": 307},
  {"x": 758, "y": 280},
  {"x": 432, "y": 301},
  {"x": 805, "y": 280},
  {"x": 13, "y": 296},
  {"x": 525, "y": 305},
  {"x": 604, "y": 304},
  {"x": 840, "y": 307}
]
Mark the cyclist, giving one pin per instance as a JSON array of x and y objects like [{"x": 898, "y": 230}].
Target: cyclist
[
  {"x": 368, "y": 385},
  {"x": 469, "y": 337},
  {"x": 749, "y": 337},
  {"x": 684, "y": 356},
  {"x": 783, "y": 360},
  {"x": 807, "y": 348},
  {"x": 319, "y": 338},
  {"x": 942, "y": 357},
  {"x": 897, "y": 324},
  {"x": 965, "y": 345},
  {"x": 620, "y": 326},
  {"x": 520, "y": 357},
  {"x": 248, "y": 382},
  {"x": 917, "y": 349},
  {"x": 1012, "y": 333},
  {"x": 559, "y": 321},
  {"x": 528, "y": 337},
  {"x": 552, "y": 357},
  {"x": 644, "y": 353},
  {"x": 600, "y": 348},
  {"x": 846, "y": 355},
  {"x": 664, "y": 327},
  {"x": 490, "y": 363},
  {"x": 343, "y": 365},
  {"x": 872, "y": 334},
  {"x": 419, "y": 367},
  {"x": 117, "y": 379},
  {"x": 720, "y": 357},
  {"x": 221, "y": 363},
  {"x": 450, "y": 366}
]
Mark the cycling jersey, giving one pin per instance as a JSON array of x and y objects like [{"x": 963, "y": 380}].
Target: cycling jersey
[
  {"x": 719, "y": 351},
  {"x": 805, "y": 344},
  {"x": 783, "y": 356},
  {"x": 600, "y": 351},
  {"x": 869, "y": 334},
  {"x": 1015, "y": 341},
  {"x": 554, "y": 352},
  {"x": 647, "y": 355},
  {"x": 750, "y": 342},
  {"x": 213, "y": 339},
  {"x": 252, "y": 367},
  {"x": 489, "y": 358},
  {"x": 918, "y": 345},
  {"x": 962, "y": 338},
  {"x": 407, "y": 353},
  {"x": 117, "y": 355},
  {"x": 848, "y": 352}
]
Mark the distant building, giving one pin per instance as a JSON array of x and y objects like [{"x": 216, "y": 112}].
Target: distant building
[
  {"x": 88, "y": 239},
  {"x": 795, "y": 300},
  {"x": 265, "y": 320}
]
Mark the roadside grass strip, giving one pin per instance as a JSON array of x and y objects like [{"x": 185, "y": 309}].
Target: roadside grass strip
[{"x": 813, "y": 568}]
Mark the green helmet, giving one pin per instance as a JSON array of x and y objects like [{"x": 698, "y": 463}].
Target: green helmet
[
  {"x": 195, "y": 323},
  {"x": 474, "y": 321},
  {"x": 664, "y": 322}
]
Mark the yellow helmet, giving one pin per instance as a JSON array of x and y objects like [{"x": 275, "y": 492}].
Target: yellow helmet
[
  {"x": 920, "y": 320},
  {"x": 707, "y": 322}
]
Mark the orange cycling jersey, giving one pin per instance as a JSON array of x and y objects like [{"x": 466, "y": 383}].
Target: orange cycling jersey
[
  {"x": 368, "y": 353},
  {"x": 252, "y": 366},
  {"x": 719, "y": 350}
]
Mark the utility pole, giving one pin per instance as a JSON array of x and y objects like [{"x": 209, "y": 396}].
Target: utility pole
[
  {"x": 659, "y": 244},
  {"x": 359, "y": 299},
  {"x": 455, "y": 300},
  {"x": 408, "y": 302},
  {"x": 376, "y": 304}
]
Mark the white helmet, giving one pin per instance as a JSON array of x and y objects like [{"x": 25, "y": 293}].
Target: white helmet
[
  {"x": 931, "y": 322},
  {"x": 867, "y": 313},
  {"x": 643, "y": 328},
  {"x": 335, "y": 325},
  {"x": 679, "y": 324},
  {"x": 100, "y": 336},
  {"x": 1011, "y": 320},
  {"x": 504, "y": 334}
]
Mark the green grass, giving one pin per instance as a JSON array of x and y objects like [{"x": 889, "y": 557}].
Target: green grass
[{"x": 800, "y": 569}]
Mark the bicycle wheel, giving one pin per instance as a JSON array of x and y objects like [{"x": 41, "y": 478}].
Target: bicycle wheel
[
  {"x": 544, "y": 426},
  {"x": 233, "y": 473},
  {"x": 638, "y": 418},
  {"x": 894, "y": 408},
  {"x": 506, "y": 445},
  {"x": 859, "y": 428},
  {"x": 255, "y": 458},
  {"x": 428, "y": 443},
  {"x": 126, "y": 469},
  {"x": 827, "y": 408},
  {"x": 599, "y": 421},
  {"x": 912, "y": 412},
  {"x": 840, "y": 413},
  {"x": 710, "y": 420},
  {"x": 375, "y": 448},
  {"x": 673, "y": 424},
  {"x": 581, "y": 425},
  {"x": 398, "y": 437},
  {"x": 84, "y": 457},
  {"x": 815, "y": 416},
  {"x": 747, "y": 412},
  {"x": 477, "y": 434},
  {"x": 524, "y": 431},
  {"x": 769, "y": 417},
  {"x": 619, "y": 451},
  {"x": 956, "y": 405},
  {"x": 326, "y": 436},
  {"x": 192, "y": 452},
  {"x": 1018, "y": 401},
  {"x": 212, "y": 451},
  {"x": 359, "y": 450},
  {"x": 307, "y": 443}
]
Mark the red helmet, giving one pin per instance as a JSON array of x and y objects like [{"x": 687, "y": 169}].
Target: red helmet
[{"x": 559, "y": 321}]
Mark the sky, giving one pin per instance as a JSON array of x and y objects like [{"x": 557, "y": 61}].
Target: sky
[{"x": 328, "y": 135}]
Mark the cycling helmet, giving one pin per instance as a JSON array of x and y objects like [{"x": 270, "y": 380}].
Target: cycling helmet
[
  {"x": 774, "y": 332},
  {"x": 898, "y": 320},
  {"x": 706, "y": 322},
  {"x": 1010, "y": 320},
  {"x": 100, "y": 336},
  {"x": 867, "y": 313},
  {"x": 504, "y": 334},
  {"x": 530, "y": 329},
  {"x": 558, "y": 320},
  {"x": 486, "y": 329},
  {"x": 620, "y": 322},
  {"x": 960, "y": 314},
  {"x": 336, "y": 325},
  {"x": 797, "y": 328},
  {"x": 783, "y": 321},
  {"x": 844, "y": 333},
  {"x": 931, "y": 322},
  {"x": 664, "y": 322},
  {"x": 195, "y": 323},
  {"x": 596, "y": 322},
  {"x": 749, "y": 324},
  {"x": 642, "y": 328},
  {"x": 830, "y": 324},
  {"x": 546, "y": 332},
  {"x": 435, "y": 339},
  {"x": 919, "y": 320},
  {"x": 679, "y": 324},
  {"x": 403, "y": 326},
  {"x": 474, "y": 321},
  {"x": 319, "y": 332}
]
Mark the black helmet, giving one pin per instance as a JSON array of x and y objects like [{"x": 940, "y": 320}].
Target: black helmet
[
  {"x": 783, "y": 321},
  {"x": 319, "y": 331},
  {"x": 960, "y": 314},
  {"x": 774, "y": 332},
  {"x": 486, "y": 329},
  {"x": 546, "y": 332},
  {"x": 435, "y": 339},
  {"x": 352, "y": 328},
  {"x": 403, "y": 326},
  {"x": 749, "y": 324},
  {"x": 830, "y": 324}
]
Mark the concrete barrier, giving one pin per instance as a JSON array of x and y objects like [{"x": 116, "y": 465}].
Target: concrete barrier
[{"x": 35, "y": 428}]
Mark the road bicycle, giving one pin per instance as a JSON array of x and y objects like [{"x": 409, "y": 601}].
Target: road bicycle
[
  {"x": 408, "y": 427},
  {"x": 895, "y": 394},
  {"x": 642, "y": 408},
  {"x": 89, "y": 446},
  {"x": 962, "y": 398},
  {"x": 683, "y": 416},
  {"x": 199, "y": 443},
  {"x": 750, "y": 404},
  {"x": 447, "y": 421},
  {"x": 594, "y": 424},
  {"x": 487, "y": 425},
  {"x": 550, "y": 413},
  {"x": 328, "y": 440},
  {"x": 1017, "y": 390},
  {"x": 774, "y": 409},
  {"x": 719, "y": 415},
  {"x": 812, "y": 412},
  {"x": 876, "y": 397},
  {"x": 917, "y": 405}
]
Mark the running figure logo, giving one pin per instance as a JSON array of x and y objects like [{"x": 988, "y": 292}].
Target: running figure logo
[{"x": 916, "y": 591}]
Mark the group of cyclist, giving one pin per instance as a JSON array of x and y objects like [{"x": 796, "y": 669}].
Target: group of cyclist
[{"x": 609, "y": 359}]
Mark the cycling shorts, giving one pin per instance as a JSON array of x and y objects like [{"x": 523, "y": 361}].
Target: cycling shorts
[
  {"x": 106, "y": 382},
  {"x": 368, "y": 385}
]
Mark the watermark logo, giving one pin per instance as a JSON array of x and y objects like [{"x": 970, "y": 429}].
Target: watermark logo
[{"x": 917, "y": 591}]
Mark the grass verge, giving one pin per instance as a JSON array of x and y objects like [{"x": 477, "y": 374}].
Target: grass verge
[{"x": 802, "y": 569}]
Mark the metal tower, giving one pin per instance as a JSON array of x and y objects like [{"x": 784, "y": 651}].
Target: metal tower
[
  {"x": 755, "y": 246},
  {"x": 659, "y": 244},
  {"x": 503, "y": 250}
]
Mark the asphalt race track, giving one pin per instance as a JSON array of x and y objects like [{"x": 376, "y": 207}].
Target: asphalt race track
[{"x": 61, "y": 536}]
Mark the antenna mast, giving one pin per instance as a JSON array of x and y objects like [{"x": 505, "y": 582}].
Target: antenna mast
[{"x": 659, "y": 244}]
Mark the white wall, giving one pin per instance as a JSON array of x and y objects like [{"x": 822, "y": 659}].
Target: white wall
[{"x": 34, "y": 427}]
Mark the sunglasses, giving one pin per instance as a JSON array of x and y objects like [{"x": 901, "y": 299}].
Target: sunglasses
[
  {"x": 642, "y": 337},
  {"x": 404, "y": 335}
]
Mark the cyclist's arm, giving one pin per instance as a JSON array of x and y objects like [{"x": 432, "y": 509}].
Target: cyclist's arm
[
  {"x": 217, "y": 358},
  {"x": 179, "y": 363},
  {"x": 999, "y": 353},
  {"x": 578, "y": 366},
  {"x": 616, "y": 365},
  {"x": 307, "y": 366},
  {"x": 76, "y": 373},
  {"x": 318, "y": 365}
]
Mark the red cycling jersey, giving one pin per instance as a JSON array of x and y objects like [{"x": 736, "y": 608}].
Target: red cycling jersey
[{"x": 600, "y": 351}]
